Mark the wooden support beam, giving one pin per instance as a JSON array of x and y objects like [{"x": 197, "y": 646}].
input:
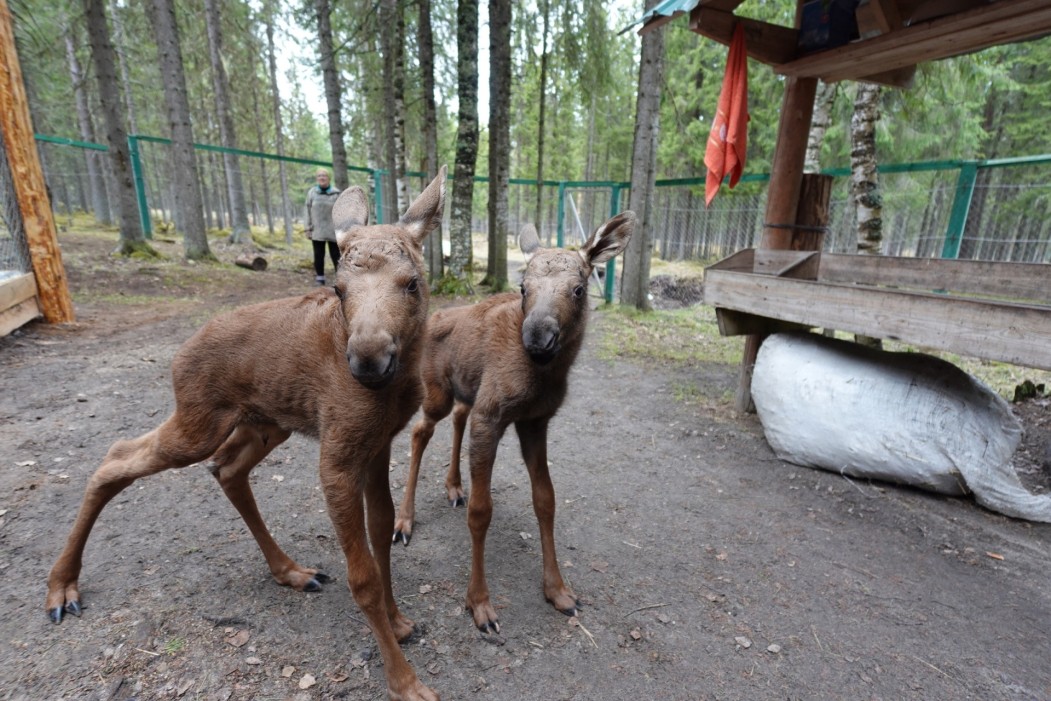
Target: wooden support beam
[
  {"x": 28, "y": 181},
  {"x": 964, "y": 32},
  {"x": 769, "y": 43}
]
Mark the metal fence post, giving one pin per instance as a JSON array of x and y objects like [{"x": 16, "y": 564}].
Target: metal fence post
[
  {"x": 140, "y": 186},
  {"x": 561, "y": 231},
  {"x": 961, "y": 205},
  {"x": 377, "y": 180},
  {"x": 611, "y": 266}
]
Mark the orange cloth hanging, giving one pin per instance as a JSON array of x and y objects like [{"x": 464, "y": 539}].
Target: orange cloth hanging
[{"x": 728, "y": 140}]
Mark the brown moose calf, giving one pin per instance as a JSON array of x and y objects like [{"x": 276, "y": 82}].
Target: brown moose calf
[
  {"x": 505, "y": 360},
  {"x": 339, "y": 364}
]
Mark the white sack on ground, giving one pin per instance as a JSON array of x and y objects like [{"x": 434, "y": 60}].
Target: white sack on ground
[{"x": 902, "y": 417}]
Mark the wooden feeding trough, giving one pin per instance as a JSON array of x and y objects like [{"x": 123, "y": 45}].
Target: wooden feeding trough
[
  {"x": 880, "y": 297},
  {"x": 996, "y": 311}
]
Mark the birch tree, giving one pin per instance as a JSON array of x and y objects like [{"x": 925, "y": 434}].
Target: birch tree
[
  {"x": 234, "y": 183},
  {"x": 187, "y": 187},
  {"x": 864, "y": 176},
  {"x": 635, "y": 284},
  {"x": 819, "y": 123},
  {"x": 132, "y": 239}
]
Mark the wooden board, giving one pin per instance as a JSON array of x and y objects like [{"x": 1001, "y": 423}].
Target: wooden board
[
  {"x": 18, "y": 303},
  {"x": 1012, "y": 332}
]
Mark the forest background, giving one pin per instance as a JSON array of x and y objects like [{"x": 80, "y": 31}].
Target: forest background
[{"x": 391, "y": 84}]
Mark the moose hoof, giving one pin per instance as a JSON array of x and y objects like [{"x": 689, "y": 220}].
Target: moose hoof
[
  {"x": 402, "y": 536},
  {"x": 457, "y": 502},
  {"x": 313, "y": 585}
]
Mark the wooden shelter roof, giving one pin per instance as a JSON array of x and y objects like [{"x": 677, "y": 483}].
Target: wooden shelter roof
[{"x": 895, "y": 35}]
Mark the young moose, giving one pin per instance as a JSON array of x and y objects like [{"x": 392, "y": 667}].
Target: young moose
[
  {"x": 505, "y": 360},
  {"x": 339, "y": 364}
]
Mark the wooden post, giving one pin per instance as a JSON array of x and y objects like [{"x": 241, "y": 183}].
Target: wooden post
[
  {"x": 815, "y": 193},
  {"x": 782, "y": 200},
  {"x": 28, "y": 180}
]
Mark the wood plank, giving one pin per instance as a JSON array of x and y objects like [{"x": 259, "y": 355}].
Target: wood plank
[
  {"x": 768, "y": 43},
  {"x": 780, "y": 263},
  {"x": 964, "y": 32},
  {"x": 19, "y": 315},
  {"x": 1017, "y": 281},
  {"x": 1012, "y": 333},
  {"x": 742, "y": 261},
  {"x": 16, "y": 289},
  {"x": 734, "y": 323},
  {"x": 28, "y": 177}
]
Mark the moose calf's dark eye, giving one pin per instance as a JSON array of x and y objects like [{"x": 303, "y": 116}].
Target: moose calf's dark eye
[
  {"x": 414, "y": 286},
  {"x": 578, "y": 291}
]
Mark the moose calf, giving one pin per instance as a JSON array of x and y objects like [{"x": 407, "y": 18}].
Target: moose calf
[
  {"x": 339, "y": 364},
  {"x": 505, "y": 360}
]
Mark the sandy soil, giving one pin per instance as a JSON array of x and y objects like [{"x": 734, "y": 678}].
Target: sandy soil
[{"x": 708, "y": 569}]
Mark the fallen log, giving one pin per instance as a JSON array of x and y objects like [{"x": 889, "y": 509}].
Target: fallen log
[{"x": 252, "y": 261}]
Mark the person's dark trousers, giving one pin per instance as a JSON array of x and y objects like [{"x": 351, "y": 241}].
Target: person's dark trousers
[{"x": 319, "y": 259}]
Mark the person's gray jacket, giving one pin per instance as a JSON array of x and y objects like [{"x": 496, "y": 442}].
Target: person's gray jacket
[{"x": 319, "y": 213}]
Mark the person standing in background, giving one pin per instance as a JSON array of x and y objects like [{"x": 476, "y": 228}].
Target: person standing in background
[{"x": 320, "y": 229}]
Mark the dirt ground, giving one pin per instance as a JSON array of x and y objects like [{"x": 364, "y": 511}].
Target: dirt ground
[{"x": 708, "y": 569}]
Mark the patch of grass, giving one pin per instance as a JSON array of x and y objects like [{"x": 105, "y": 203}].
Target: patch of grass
[
  {"x": 174, "y": 645},
  {"x": 130, "y": 300},
  {"x": 1002, "y": 378},
  {"x": 684, "y": 336}
]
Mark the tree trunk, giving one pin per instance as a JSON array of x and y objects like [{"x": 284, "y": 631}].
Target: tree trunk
[
  {"x": 122, "y": 59},
  {"x": 466, "y": 139},
  {"x": 333, "y": 93},
  {"x": 864, "y": 178},
  {"x": 234, "y": 182},
  {"x": 286, "y": 203},
  {"x": 826, "y": 97},
  {"x": 425, "y": 39},
  {"x": 392, "y": 21},
  {"x": 262, "y": 165},
  {"x": 546, "y": 10},
  {"x": 635, "y": 283},
  {"x": 499, "y": 138},
  {"x": 102, "y": 55},
  {"x": 183, "y": 162},
  {"x": 96, "y": 183}
]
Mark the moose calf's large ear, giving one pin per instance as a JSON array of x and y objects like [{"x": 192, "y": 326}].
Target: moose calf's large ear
[
  {"x": 528, "y": 239},
  {"x": 425, "y": 212},
  {"x": 609, "y": 239},
  {"x": 351, "y": 210}
]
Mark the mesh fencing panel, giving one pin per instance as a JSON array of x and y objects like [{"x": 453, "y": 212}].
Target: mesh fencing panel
[
  {"x": 1008, "y": 217},
  {"x": 14, "y": 252}
]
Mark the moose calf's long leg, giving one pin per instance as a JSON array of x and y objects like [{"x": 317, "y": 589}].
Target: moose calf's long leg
[
  {"x": 533, "y": 437},
  {"x": 485, "y": 436},
  {"x": 344, "y": 498},
  {"x": 380, "y": 511},
  {"x": 231, "y": 465},
  {"x": 453, "y": 482},
  {"x": 175, "y": 443},
  {"x": 421, "y": 436}
]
